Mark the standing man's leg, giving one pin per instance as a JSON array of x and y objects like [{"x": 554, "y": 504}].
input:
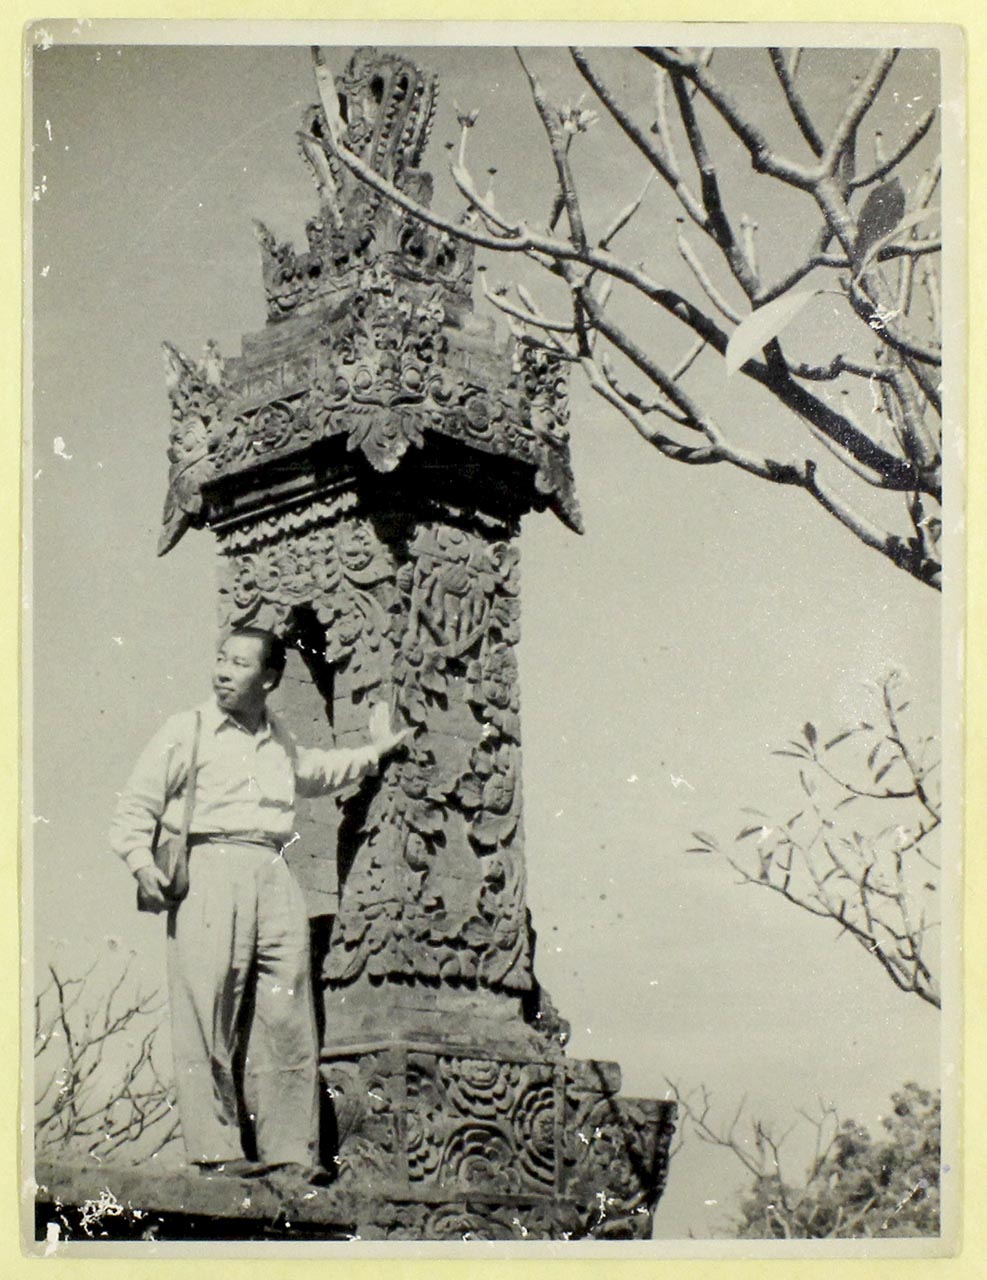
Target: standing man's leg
[
  {"x": 211, "y": 938},
  {"x": 281, "y": 1066}
]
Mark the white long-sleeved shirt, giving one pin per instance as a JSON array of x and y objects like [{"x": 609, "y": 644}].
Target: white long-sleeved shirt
[{"x": 245, "y": 782}]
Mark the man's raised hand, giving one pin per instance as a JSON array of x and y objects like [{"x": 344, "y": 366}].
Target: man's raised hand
[{"x": 384, "y": 735}]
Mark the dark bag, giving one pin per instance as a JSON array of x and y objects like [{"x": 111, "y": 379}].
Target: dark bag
[{"x": 171, "y": 853}]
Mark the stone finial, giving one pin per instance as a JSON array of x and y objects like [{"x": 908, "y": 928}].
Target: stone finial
[
  {"x": 197, "y": 394},
  {"x": 387, "y": 105}
]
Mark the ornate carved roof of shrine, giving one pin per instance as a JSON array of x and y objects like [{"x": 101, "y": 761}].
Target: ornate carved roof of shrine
[{"x": 371, "y": 337}]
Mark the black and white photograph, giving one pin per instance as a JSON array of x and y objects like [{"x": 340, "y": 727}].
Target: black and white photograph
[{"x": 494, "y": 562}]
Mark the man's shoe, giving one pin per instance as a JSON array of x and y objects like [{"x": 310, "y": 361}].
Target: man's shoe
[
  {"x": 291, "y": 1175},
  {"x": 236, "y": 1168}
]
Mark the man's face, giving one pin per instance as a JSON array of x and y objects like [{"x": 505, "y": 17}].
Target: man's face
[{"x": 241, "y": 681}]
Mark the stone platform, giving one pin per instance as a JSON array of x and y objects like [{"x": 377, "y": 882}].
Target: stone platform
[{"x": 432, "y": 1145}]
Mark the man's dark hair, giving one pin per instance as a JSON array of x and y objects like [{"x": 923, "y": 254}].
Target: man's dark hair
[{"x": 274, "y": 648}]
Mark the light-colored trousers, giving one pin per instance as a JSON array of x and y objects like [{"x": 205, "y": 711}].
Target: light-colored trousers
[{"x": 243, "y": 927}]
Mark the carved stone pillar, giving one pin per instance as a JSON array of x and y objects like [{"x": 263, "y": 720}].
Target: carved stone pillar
[
  {"x": 420, "y": 609},
  {"x": 365, "y": 464}
]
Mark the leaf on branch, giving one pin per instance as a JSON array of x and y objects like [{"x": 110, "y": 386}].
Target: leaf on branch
[
  {"x": 467, "y": 119},
  {"x": 840, "y": 737},
  {"x": 749, "y": 831},
  {"x": 808, "y": 786},
  {"x": 809, "y": 729},
  {"x": 707, "y": 842},
  {"x": 882, "y": 212},
  {"x": 763, "y": 325},
  {"x": 912, "y": 220},
  {"x": 575, "y": 118}
]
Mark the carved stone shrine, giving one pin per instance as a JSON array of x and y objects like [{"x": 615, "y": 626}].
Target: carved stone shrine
[{"x": 365, "y": 464}]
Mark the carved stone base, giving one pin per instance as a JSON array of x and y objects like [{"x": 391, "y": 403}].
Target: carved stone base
[
  {"x": 434, "y": 1143},
  {"x": 439, "y": 1142}
]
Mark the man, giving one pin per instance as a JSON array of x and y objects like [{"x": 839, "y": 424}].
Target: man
[{"x": 241, "y": 935}]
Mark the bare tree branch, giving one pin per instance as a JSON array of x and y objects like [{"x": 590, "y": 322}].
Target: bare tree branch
[
  {"x": 103, "y": 1093},
  {"x": 795, "y": 103},
  {"x": 873, "y": 878},
  {"x": 763, "y": 158},
  {"x": 893, "y": 161},
  {"x": 666, "y": 168},
  {"x": 898, "y": 447},
  {"x": 858, "y": 106}
]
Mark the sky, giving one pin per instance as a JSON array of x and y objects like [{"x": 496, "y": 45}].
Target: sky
[{"x": 697, "y": 623}]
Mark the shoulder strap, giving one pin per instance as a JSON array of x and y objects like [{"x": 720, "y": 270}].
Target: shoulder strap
[{"x": 190, "y": 785}]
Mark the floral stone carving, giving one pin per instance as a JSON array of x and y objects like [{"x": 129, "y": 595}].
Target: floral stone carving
[
  {"x": 507, "y": 1148},
  {"x": 427, "y": 618}
]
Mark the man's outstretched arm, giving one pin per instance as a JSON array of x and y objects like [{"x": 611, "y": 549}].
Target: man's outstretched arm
[{"x": 319, "y": 772}]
